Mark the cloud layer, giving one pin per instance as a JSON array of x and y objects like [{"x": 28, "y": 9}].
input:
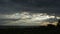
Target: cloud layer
[
  {"x": 27, "y": 19},
  {"x": 12, "y": 7}
]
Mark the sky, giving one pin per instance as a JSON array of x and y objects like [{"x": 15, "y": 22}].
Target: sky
[
  {"x": 35, "y": 6},
  {"x": 13, "y": 6}
]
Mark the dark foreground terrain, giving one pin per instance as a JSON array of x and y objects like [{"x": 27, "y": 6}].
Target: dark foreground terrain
[
  {"x": 50, "y": 29},
  {"x": 32, "y": 29}
]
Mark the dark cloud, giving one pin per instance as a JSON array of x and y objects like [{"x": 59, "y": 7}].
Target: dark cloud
[
  {"x": 13, "y": 6},
  {"x": 6, "y": 21}
]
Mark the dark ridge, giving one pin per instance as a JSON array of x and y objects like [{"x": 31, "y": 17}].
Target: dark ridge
[
  {"x": 58, "y": 23},
  {"x": 20, "y": 29},
  {"x": 31, "y": 29},
  {"x": 40, "y": 29}
]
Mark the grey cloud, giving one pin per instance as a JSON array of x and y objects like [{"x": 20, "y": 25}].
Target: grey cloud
[
  {"x": 36, "y": 6},
  {"x": 6, "y": 21},
  {"x": 25, "y": 21},
  {"x": 29, "y": 5},
  {"x": 4, "y": 10}
]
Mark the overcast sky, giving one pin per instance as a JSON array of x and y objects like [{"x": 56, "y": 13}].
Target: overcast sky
[
  {"x": 13, "y": 6},
  {"x": 16, "y": 6}
]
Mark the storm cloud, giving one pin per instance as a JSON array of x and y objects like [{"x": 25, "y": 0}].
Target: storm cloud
[
  {"x": 13, "y": 6},
  {"x": 9, "y": 7}
]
